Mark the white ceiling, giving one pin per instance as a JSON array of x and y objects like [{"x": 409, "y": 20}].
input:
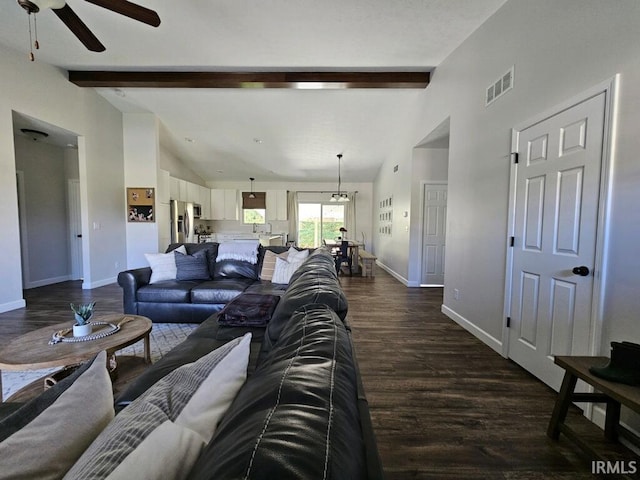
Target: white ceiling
[{"x": 272, "y": 134}]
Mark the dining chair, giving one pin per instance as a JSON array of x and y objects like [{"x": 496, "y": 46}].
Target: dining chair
[{"x": 343, "y": 256}]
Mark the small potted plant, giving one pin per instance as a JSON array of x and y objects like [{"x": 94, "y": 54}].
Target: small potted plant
[{"x": 82, "y": 313}]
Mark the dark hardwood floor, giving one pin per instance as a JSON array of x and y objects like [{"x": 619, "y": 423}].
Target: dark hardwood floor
[{"x": 443, "y": 404}]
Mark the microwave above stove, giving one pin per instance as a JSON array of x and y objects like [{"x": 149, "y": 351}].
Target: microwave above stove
[{"x": 197, "y": 210}]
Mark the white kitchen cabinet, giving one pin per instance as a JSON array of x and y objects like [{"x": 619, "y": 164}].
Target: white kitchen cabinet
[
  {"x": 178, "y": 189},
  {"x": 224, "y": 204},
  {"x": 164, "y": 187},
  {"x": 193, "y": 193},
  {"x": 276, "y": 205},
  {"x": 205, "y": 203},
  {"x": 174, "y": 188},
  {"x": 163, "y": 218}
]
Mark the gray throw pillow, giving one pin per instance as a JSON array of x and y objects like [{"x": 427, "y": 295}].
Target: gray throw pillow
[{"x": 192, "y": 267}]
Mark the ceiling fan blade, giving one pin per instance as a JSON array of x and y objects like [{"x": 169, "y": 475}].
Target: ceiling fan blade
[
  {"x": 131, "y": 10},
  {"x": 79, "y": 29}
]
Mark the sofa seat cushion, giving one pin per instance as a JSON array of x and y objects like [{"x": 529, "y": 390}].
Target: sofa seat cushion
[
  {"x": 248, "y": 310},
  {"x": 297, "y": 415},
  {"x": 225, "y": 334},
  {"x": 171, "y": 291},
  {"x": 265, "y": 287},
  {"x": 219, "y": 291}
]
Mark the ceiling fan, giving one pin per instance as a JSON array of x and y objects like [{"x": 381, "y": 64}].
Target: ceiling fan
[{"x": 78, "y": 27}]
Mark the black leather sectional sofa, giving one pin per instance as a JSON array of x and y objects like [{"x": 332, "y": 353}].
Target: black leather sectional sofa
[
  {"x": 302, "y": 413},
  {"x": 192, "y": 301}
]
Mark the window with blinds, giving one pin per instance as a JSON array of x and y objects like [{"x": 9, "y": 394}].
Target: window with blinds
[{"x": 254, "y": 210}]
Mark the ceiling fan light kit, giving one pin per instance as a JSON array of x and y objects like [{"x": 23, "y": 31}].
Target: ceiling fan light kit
[{"x": 77, "y": 26}]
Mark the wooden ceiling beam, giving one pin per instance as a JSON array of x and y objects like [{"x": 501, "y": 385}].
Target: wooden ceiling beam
[{"x": 296, "y": 80}]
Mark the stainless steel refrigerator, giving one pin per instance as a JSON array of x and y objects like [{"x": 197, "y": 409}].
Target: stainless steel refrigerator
[{"x": 182, "y": 222}]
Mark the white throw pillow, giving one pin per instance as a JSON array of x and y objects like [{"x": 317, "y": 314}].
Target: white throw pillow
[
  {"x": 269, "y": 264},
  {"x": 163, "y": 265},
  {"x": 297, "y": 256},
  {"x": 284, "y": 270}
]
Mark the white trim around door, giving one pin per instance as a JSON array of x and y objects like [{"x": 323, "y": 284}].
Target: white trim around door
[{"x": 609, "y": 89}]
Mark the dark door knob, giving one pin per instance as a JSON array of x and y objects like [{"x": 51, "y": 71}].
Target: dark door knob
[
  {"x": 79, "y": 235},
  {"x": 582, "y": 271}
]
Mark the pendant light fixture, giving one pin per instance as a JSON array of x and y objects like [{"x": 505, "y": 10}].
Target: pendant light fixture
[
  {"x": 339, "y": 196},
  {"x": 252, "y": 195}
]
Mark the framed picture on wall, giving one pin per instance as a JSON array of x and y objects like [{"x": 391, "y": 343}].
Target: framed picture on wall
[{"x": 140, "y": 204}]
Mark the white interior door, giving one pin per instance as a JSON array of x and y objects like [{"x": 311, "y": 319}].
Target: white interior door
[
  {"x": 434, "y": 220},
  {"x": 556, "y": 213},
  {"x": 75, "y": 230}
]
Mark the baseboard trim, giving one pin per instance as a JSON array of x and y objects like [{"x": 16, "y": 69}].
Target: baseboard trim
[
  {"x": 98, "y": 283},
  {"x": 486, "y": 338},
  {"x": 598, "y": 415},
  {"x": 396, "y": 275},
  {"x": 7, "y": 307},
  {"x": 48, "y": 281}
]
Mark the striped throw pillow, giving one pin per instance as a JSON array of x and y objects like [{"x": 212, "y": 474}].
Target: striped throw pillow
[{"x": 269, "y": 264}]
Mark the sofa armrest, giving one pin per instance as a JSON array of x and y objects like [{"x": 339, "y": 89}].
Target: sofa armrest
[{"x": 130, "y": 281}]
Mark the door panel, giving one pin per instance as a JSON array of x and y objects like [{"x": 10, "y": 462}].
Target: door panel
[
  {"x": 556, "y": 207},
  {"x": 434, "y": 220},
  {"x": 534, "y": 213}
]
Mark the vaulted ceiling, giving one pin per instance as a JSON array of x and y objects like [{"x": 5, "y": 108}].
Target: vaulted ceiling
[{"x": 271, "y": 134}]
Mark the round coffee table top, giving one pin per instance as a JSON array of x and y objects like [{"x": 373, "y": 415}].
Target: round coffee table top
[{"x": 32, "y": 351}]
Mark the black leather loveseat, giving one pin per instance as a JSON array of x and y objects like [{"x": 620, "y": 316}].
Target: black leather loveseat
[
  {"x": 302, "y": 413},
  {"x": 192, "y": 301}
]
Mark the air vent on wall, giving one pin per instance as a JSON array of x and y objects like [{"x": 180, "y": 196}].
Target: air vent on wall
[{"x": 499, "y": 87}]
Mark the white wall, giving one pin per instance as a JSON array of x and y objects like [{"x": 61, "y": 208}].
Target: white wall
[
  {"x": 141, "y": 158},
  {"x": 43, "y": 92},
  {"x": 176, "y": 167},
  {"x": 559, "y": 49},
  {"x": 45, "y": 211}
]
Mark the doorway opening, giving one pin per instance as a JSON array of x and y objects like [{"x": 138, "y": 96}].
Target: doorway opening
[
  {"x": 49, "y": 206},
  {"x": 431, "y": 166}
]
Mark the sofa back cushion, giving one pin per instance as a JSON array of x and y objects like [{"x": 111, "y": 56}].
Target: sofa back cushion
[
  {"x": 297, "y": 415},
  {"x": 315, "y": 281},
  {"x": 235, "y": 269}
]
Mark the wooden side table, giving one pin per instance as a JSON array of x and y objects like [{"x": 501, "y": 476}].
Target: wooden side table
[{"x": 611, "y": 393}]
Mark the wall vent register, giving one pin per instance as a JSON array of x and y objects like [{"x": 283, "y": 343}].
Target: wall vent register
[{"x": 499, "y": 87}]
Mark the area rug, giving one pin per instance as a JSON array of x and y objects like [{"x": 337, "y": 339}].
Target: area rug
[{"x": 164, "y": 336}]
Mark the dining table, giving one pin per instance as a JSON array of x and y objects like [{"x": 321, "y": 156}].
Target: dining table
[{"x": 353, "y": 251}]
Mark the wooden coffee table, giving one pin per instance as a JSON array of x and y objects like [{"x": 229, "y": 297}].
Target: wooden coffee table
[{"x": 32, "y": 351}]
